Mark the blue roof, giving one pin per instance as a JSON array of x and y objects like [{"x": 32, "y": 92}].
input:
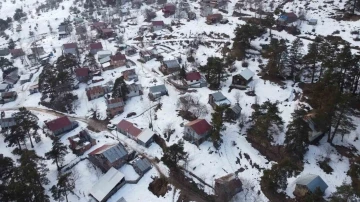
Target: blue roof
[
  {"x": 116, "y": 152},
  {"x": 312, "y": 182}
]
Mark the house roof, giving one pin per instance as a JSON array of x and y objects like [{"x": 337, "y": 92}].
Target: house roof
[
  {"x": 95, "y": 90},
  {"x": 236, "y": 108},
  {"x": 98, "y": 24},
  {"x": 70, "y": 45},
  {"x": 134, "y": 87},
  {"x": 128, "y": 72},
  {"x": 142, "y": 164},
  {"x": 118, "y": 57},
  {"x": 58, "y": 123},
  {"x": 104, "y": 60},
  {"x": 38, "y": 50},
  {"x": 106, "y": 183},
  {"x": 200, "y": 126},
  {"x": 157, "y": 23},
  {"x": 4, "y": 86},
  {"x": 312, "y": 182},
  {"x": 145, "y": 135},
  {"x": 218, "y": 96},
  {"x": 112, "y": 152},
  {"x": 8, "y": 94},
  {"x": 104, "y": 52},
  {"x": 129, "y": 128},
  {"x": 96, "y": 46},
  {"x": 7, "y": 122},
  {"x": 214, "y": 16},
  {"x": 158, "y": 89},
  {"x": 192, "y": 76},
  {"x": 115, "y": 100},
  {"x": 18, "y": 51},
  {"x": 82, "y": 71},
  {"x": 247, "y": 74},
  {"x": 172, "y": 64}
]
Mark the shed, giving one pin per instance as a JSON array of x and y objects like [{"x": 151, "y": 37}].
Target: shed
[
  {"x": 218, "y": 99},
  {"x": 312, "y": 22},
  {"x": 146, "y": 137},
  {"x": 157, "y": 91},
  {"x": 309, "y": 182},
  {"x": 243, "y": 78},
  {"x": 4, "y": 51},
  {"x": 141, "y": 166}
]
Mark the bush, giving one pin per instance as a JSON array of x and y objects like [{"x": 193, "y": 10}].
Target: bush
[{"x": 324, "y": 165}]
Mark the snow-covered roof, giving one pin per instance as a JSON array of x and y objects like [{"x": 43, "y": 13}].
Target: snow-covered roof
[
  {"x": 143, "y": 164},
  {"x": 218, "y": 96},
  {"x": 172, "y": 64},
  {"x": 104, "y": 59},
  {"x": 312, "y": 182},
  {"x": 106, "y": 183},
  {"x": 236, "y": 108},
  {"x": 4, "y": 86},
  {"x": 25, "y": 77},
  {"x": 247, "y": 74},
  {"x": 158, "y": 89},
  {"x": 106, "y": 64},
  {"x": 145, "y": 135}
]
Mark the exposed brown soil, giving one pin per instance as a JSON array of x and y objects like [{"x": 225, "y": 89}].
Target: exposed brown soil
[{"x": 159, "y": 186}]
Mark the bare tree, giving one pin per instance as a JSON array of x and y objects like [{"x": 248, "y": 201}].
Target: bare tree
[
  {"x": 237, "y": 97},
  {"x": 200, "y": 110}
]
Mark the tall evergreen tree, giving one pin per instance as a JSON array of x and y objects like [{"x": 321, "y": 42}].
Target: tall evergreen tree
[
  {"x": 27, "y": 123},
  {"x": 182, "y": 72},
  {"x": 15, "y": 137},
  {"x": 120, "y": 88},
  {"x": 312, "y": 58},
  {"x": 57, "y": 153},
  {"x": 217, "y": 123},
  {"x": 278, "y": 58},
  {"x": 6, "y": 168},
  {"x": 64, "y": 186},
  {"x": 295, "y": 58},
  {"x": 344, "y": 193},
  {"x": 214, "y": 70},
  {"x": 174, "y": 154}
]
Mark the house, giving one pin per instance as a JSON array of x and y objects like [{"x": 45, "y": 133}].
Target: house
[
  {"x": 37, "y": 51},
  {"x": 95, "y": 47},
  {"x": 105, "y": 60},
  {"x": 82, "y": 74},
  {"x": 129, "y": 129},
  {"x": 4, "y": 52},
  {"x": 194, "y": 79},
  {"x": 17, "y": 52},
  {"x": 243, "y": 78},
  {"x": 134, "y": 90},
  {"x": 96, "y": 92},
  {"x": 157, "y": 25},
  {"x": 4, "y": 87},
  {"x": 147, "y": 55},
  {"x": 7, "y": 123},
  {"x": 108, "y": 156},
  {"x": 309, "y": 183},
  {"x": 70, "y": 48},
  {"x": 233, "y": 112},
  {"x": 103, "y": 54},
  {"x": 34, "y": 89},
  {"x": 130, "y": 50},
  {"x": 108, "y": 185},
  {"x": 64, "y": 30},
  {"x": 114, "y": 106},
  {"x": 6, "y": 97},
  {"x": 141, "y": 166},
  {"x": 197, "y": 131},
  {"x": 26, "y": 78},
  {"x": 312, "y": 22},
  {"x": 59, "y": 126},
  {"x": 130, "y": 75},
  {"x": 170, "y": 66},
  {"x": 12, "y": 77},
  {"x": 157, "y": 91},
  {"x": 315, "y": 134},
  {"x": 145, "y": 138},
  {"x": 213, "y": 18},
  {"x": 118, "y": 60},
  {"x": 227, "y": 187},
  {"x": 218, "y": 99},
  {"x": 287, "y": 18},
  {"x": 106, "y": 33},
  {"x": 169, "y": 9},
  {"x": 81, "y": 142},
  {"x": 205, "y": 11},
  {"x": 98, "y": 25}
]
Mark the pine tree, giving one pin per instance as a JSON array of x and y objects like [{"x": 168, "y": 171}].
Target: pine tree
[
  {"x": 244, "y": 34},
  {"x": 11, "y": 44},
  {"x": 182, "y": 72},
  {"x": 120, "y": 89},
  {"x": 15, "y": 137},
  {"x": 5, "y": 64},
  {"x": 295, "y": 58},
  {"x": 27, "y": 123},
  {"x": 64, "y": 186},
  {"x": 278, "y": 59},
  {"x": 57, "y": 153},
  {"x": 344, "y": 193},
  {"x": 90, "y": 61},
  {"x": 174, "y": 154},
  {"x": 313, "y": 57},
  {"x": 270, "y": 22},
  {"x": 217, "y": 123},
  {"x": 6, "y": 168},
  {"x": 214, "y": 70}
]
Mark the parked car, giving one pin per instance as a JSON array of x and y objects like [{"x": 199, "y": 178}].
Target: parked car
[
  {"x": 111, "y": 126},
  {"x": 130, "y": 114}
]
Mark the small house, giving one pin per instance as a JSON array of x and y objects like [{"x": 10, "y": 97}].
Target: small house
[
  {"x": 157, "y": 25},
  {"x": 114, "y": 106},
  {"x": 64, "y": 30},
  {"x": 130, "y": 75},
  {"x": 4, "y": 52},
  {"x": 81, "y": 142},
  {"x": 26, "y": 78},
  {"x": 34, "y": 89},
  {"x": 130, "y": 50},
  {"x": 134, "y": 90},
  {"x": 129, "y": 129},
  {"x": 194, "y": 79},
  {"x": 118, "y": 60},
  {"x": 6, "y": 97},
  {"x": 82, "y": 74},
  {"x": 7, "y": 123},
  {"x": 70, "y": 48},
  {"x": 197, "y": 131},
  {"x": 243, "y": 78},
  {"x": 103, "y": 54},
  {"x": 169, "y": 9},
  {"x": 218, "y": 99},
  {"x": 95, "y": 47},
  {"x": 309, "y": 183},
  {"x": 37, "y": 51},
  {"x": 106, "y": 33},
  {"x": 59, "y": 126},
  {"x": 315, "y": 134},
  {"x": 227, "y": 187},
  {"x": 170, "y": 66},
  {"x": 4, "y": 87},
  {"x": 287, "y": 18},
  {"x": 96, "y": 92},
  {"x": 108, "y": 156},
  {"x": 141, "y": 166},
  {"x": 234, "y": 112},
  {"x": 17, "y": 52},
  {"x": 145, "y": 138},
  {"x": 214, "y": 18},
  {"x": 12, "y": 78},
  {"x": 156, "y": 92},
  {"x": 147, "y": 55},
  {"x": 312, "y": 22}
]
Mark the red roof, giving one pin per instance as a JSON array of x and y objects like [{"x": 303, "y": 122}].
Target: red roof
[
  {"x": 58, "y": 123},
  {"x": 107, "y": 30},
  {"x": 101, "y": 149},
  {"x": 200, "y": 126},
  {"x": 70, "y": 45},
  {"x": 118, "y": 57},
  {"x": 193, "y": 76},
  {"x": 169, "y": 8},
  {"x": 157, "y": 23},
  {"x": 96, "y": 46},
  {"x": 114, "y": 100},
  {"x": 129, "y": 128},
  {"x": 95, "y": 90},
  {"x": 17, "y": 51},
  {"x": 82, "y": 71}
]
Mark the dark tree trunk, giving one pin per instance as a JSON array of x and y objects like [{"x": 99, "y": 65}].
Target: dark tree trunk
[
  {"x": 313, "y": 73},
  {"x": 32, "y": 145}
]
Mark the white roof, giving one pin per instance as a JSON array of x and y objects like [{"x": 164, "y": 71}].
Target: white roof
[
  {"x": 247, "y": 74},
  {"x": 106, "y": 183},
  {"x": 223, "y": 102},
  {"x": 145, "y": 135},
  {"x": 25, "y": 77},
  {"x": 106, "y": 64},
  {"x": 104, "y": 52}
]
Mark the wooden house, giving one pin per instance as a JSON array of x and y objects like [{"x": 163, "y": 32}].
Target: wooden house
[
  {"x": 156, "y": 92},
  {"x": 6, "y": 97},
  {"x": 194, "y": 79},
  {"x": 309, "y": 184},
  {"x": 130, "y": 75},
  {"x": 108, "y": 156},
  {"x": 218, "y": 99},
  {"x": 118, "y": 60},
  {"x": 169, "y": 9},
  {"x": 96, "y": 92},
  {"x": 243, "y": 78},
  {"x": 287, "y": 18},
  {"x": 197, "y": 131},
  {"x": 227, "y": 187},
  {"x": 82, "y": 74},
  {"x": 114, "y": 106},
  {"x": 81, "y": 142},
  {"x": 59, "y": 126},
  {"x": 134, "y": 90},
  {"x": 213, "y": 18},
  {"x": 157, "y": 25},
  {"x": 170, "y": 66},
  {"x": 95, "y": 47}
]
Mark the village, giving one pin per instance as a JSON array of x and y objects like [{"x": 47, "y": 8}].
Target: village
[{"x": 121, "y": 83}]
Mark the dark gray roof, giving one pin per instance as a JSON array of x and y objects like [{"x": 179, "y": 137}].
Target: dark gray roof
[
  {"x": 158, "y": 89},
  {"x": 121, "y": 200},
  {"x": 218, "y": 96},
  {"x": 312, "y": 182},
  {"x": 143, "y": 164},
  {"x": 116, "y": 152},
  {"x": 4, "y": 86},
  {"x": 7, "y": 122},
  {"x": 172, "y": 64},
  {"x": 247, "y": 74},
  {"x": 236, "y": 108},
  {"x": 4, "y": 51}
]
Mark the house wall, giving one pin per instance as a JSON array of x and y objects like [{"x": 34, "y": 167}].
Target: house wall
[
  {"x": 134, "y": 93},
  {"x": 300, "y": 190},
  {"x": 146, "y": 144}
]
